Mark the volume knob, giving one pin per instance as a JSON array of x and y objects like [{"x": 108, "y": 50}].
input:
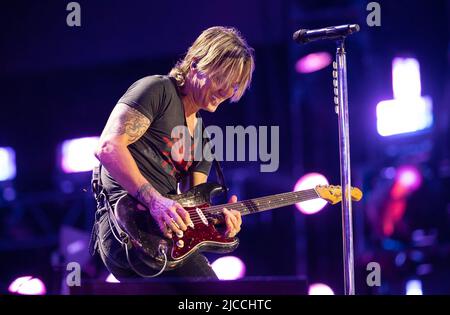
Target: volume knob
[{"x": 180, "y": 243}]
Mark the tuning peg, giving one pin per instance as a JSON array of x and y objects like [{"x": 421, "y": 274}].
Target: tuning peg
[
  {"x": 335, "y": 83},
  {"x": 334, "y": 65},
  {"x": 335, "y": 74}
]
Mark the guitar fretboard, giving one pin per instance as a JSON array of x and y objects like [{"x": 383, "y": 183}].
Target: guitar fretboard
[{"x": 265, "y": 203}]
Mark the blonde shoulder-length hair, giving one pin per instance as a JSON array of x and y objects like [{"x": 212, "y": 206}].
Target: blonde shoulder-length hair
[{"x": 223, "y": 54}]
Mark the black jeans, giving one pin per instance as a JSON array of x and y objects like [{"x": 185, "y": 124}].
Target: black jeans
[{"x": 113, "y": 256}]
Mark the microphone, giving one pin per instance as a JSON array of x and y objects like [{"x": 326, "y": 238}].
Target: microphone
[{"x": 303, "y": 36}]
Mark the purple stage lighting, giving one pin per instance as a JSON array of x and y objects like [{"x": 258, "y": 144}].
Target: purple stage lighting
[
  {"x": 27, "y": 285},
  {"x": 404, "y": 116},
  {"x": 7, "y": 164},
  {"x": 229, "y": 268},
  {"x": 111, "y": 279},
  {"x": 313, "y": 62},
  {"x": 409, "y": 177},
  {"x": 408, "y": 111},
  {"x": 414, "y": 287},
  {"x": 320, "y": 289},
  {"x": 406, "y": 78},
  {"x": 77, "y": 155},
  {"x": 309, "y": 181}
]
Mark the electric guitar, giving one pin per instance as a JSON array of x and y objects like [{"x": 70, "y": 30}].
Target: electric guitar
[{"x": 147, "y": 241}]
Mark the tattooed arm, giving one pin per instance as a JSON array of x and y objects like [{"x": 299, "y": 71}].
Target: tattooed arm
[{"x": 125, "y": 126}]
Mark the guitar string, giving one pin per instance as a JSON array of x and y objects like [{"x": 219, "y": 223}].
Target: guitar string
[
  {"x": 249, "y": 206},
  {"x": 261, "y": 202},
  {"x": 284, "y": 196}
]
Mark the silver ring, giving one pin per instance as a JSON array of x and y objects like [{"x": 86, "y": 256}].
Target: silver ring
[{"x": 174, "y": 222}]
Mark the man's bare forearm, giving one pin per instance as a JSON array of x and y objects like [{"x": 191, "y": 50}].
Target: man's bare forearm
[{"x": 120, "y": 164}]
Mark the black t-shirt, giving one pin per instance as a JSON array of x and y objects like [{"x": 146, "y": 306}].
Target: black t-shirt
[{"x": 158, "y": 98}]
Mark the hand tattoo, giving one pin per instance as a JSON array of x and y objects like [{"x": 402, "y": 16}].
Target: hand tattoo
[
  {"x": 153, "y": 199},
  {"x": 146, "y": 193}
]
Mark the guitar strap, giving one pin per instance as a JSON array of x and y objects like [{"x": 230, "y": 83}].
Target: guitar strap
[
  {"x": 217, "y": 167},
  {"x": 220, "y": 177}
]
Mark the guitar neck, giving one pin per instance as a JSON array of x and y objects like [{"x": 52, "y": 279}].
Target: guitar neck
[{"x": 266, "y": 203}]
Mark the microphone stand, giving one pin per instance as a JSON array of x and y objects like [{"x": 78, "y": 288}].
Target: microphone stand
[{"x": 341, "y": 108}]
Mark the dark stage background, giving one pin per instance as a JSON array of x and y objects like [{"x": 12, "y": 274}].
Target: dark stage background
[{"x": 60, "y": 82}]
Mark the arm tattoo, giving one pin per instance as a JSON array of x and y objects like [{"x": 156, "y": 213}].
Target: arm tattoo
[
  {"x": 131, "y": 122},
  {"x": 146, "y": 193}
]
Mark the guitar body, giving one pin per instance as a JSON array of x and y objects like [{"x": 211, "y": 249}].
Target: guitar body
[{"x": 147, "y": 240}]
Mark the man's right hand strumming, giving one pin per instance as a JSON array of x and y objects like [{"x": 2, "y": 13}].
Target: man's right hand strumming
[{"x": 168, "y": 214}]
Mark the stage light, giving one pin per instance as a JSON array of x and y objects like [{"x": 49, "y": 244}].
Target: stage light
[
  {"x": 423, "y": 239},
  {"x": 404, "y": 116},
  {"x": 313, "y": 62},
  {"x": 7, "y": 164},
  {"x": 27, "y": 285},
  {"x": 414, "y": 287},
  {"x": 319, "y": 289},
  {"x": 409, "y": 177},
  {"x": 76, "y": 247},
  {"x": 408, "y": 112},
  {"x": 424, "y": 269},
  {"x": 308, "y": 181},
  {"x": 400, "y": 259},
  {"x": 229, "y": 268},
  {"x": 406, "y": 78},
  {"x": 407, "y": 180},
  {"x": 77, "y": 155},
  {"x": 111, "y": 279}
]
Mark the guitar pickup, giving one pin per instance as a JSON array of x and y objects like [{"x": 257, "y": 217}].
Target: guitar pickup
[{"x": 202, "y": 216}]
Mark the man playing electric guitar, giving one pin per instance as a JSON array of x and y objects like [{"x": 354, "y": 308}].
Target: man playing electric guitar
[{"x": 135, "y": 150}]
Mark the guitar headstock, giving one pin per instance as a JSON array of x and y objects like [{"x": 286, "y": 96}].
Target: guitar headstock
[{"x": 333, "y": 194}]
